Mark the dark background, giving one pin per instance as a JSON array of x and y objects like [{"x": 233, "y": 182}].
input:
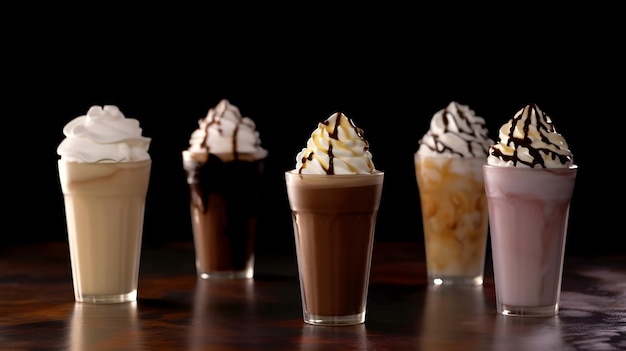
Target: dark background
[{"x": 388, "y": 70}]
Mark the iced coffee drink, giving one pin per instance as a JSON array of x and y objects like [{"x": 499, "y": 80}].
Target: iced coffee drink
[
  {"x": 529, "y": 181},
  {"x": 104, "y": 171},
  {"x": 454, "y": 218},
  {"x": 334, "y": 195},
  {"x": 224, "y": 168},
  {"x": 448, "y": 169}
]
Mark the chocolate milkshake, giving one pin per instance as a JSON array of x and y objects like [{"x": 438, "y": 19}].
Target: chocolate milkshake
[
  {"x": 529, "y": 182},
  {"x": 334, "y": 193},
  {"x": 334, "y": 221},
  {"x": 224, "y": 207},
  {"x": 104, "y": 173},
  {"x": 224, "y": 168}
]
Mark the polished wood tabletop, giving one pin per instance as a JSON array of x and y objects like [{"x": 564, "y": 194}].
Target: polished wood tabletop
[{"x": 177, "y": 311}]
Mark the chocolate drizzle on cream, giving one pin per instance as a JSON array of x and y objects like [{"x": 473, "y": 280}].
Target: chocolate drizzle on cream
[
  {"x": 215, "y": 116},
  {"x": 456, "y": 130},
  {"x": 333, "y": 134},
  {"x": 522, "y": 138}
]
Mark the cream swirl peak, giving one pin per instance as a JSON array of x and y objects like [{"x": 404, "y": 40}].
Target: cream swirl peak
[
  {"x": 336, "y": 146},
  {"x": 224, "y": 132},
  {"x": 455, "y": 131},
  {"x": 104, "y": 134},
  {"x": 530, "y": 140}
]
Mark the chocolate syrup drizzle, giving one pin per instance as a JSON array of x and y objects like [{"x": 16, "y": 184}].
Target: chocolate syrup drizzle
[
  {"x": 544, "y": 127},
  {"x": 334, "y": 135},
  {"x": 465, "y": 121},
  {"x": 218, "y": 114}
]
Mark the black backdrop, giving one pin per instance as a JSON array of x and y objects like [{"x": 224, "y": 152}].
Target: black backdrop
[{"x": 389, "y": 77}]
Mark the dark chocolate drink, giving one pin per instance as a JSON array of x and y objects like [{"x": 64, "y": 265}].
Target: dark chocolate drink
[
  {"x": 334, "y": 218},
  {"x": 224, "y": 204}
]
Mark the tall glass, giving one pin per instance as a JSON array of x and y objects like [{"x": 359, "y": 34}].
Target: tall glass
[
  {"x": 454, "y": 217},
  {"x": 104, "y": 210},
  {"x": 528, "y": 214},
  {"x": 334, "y": 219},
  {"x": 224, "y": 204}
]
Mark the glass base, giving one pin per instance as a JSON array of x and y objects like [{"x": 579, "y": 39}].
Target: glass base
[
  {"x": 455, "y": 280},
  {"x": 351, "y": 319},
  {"x": 528, "y": 311},
  {"x": 245, "y": 274},
  {"x": 110, "y": 298}
]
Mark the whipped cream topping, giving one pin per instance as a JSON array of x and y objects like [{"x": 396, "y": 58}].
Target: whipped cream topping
[
  {"x": 224, "y": 132},
  {"x": 530, "y": 140},
  {"x": 455, "y": 131},
  {"x": 104, "y": 134},
  {"x": 336, "y": 146}
]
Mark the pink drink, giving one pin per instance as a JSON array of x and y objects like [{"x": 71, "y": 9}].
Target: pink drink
[{"x": 528, "y": 216}]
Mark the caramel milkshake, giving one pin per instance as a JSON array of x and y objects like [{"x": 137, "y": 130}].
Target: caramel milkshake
[
  {"x": 334, "y": 194},
  {"x": 448, "y": 169},
  {"x": 104, "y": 171},
  {"x": 224, "y": 166},
  {"x": 529, "y": 181}
]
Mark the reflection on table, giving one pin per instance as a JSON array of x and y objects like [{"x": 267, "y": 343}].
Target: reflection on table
[{"x": 177, "y": 311}]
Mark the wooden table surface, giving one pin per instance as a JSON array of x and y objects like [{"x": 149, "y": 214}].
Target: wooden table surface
[{"x": 177, "y": 311}]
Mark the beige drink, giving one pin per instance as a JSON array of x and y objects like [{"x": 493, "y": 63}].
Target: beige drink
[
  {"x": 529, "y": 210},
  {"x": 455, "y": 218},
  {"x": 104, "y": 207},
  {"x": 334, "y": 218}
]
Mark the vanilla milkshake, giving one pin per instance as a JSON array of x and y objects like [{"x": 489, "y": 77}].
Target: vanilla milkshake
[
  {"x": 448, "y": 169},
  {"x": 334, "y": 194},
  {"x": 529, "y": 181},
  {"x": 104, "y": 171}
]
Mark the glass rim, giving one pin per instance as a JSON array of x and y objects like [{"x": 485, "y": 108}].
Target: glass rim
[
  {"x": 105, "y": 163},
  {"x": 295, "y": 172},
  {"x": 539, "y": 169}
]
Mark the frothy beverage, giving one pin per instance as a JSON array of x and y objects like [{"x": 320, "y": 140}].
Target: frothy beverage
[
  {"x": 528, "y": 211},
  {"x": 224, "y": 200},
  {"x": 104, "y": 208},
  {"x": 334, "y": 219},
  {"x": 455, "y": 218}
]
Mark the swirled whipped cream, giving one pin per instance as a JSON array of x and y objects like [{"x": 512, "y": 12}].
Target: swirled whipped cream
[
  {"x": 455, "y": 131},
  {"x": 225, "y": 133},
  {"x": 336, "y": 146},
  {"x": 104, "y": 134},
  {"x": 530, "y": 140}
]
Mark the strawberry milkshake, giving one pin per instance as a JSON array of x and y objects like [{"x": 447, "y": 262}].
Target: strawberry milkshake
[{"x": 529, "y": 181}]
